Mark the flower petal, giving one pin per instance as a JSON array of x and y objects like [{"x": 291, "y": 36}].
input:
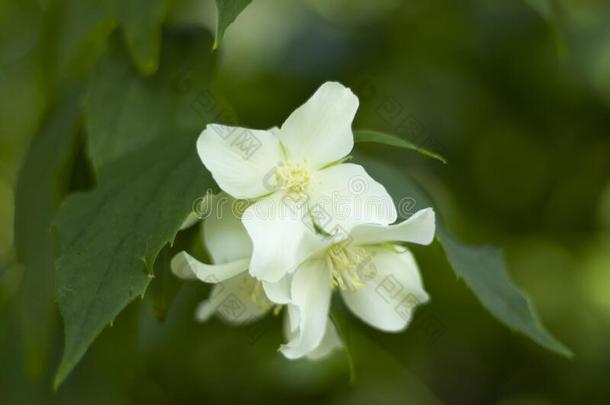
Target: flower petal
[
  {"x": 345, "y": 195},
  {"x": 292, "y": 324},
  {"x": 207, "y": 308},
  {"x": 329, "y": 343},
  {"x": 311, "y": 294},
  {"x": 278, "y": 292},
  {"x": 240, "y": 159},
  {"x": 320, "y": 131},
  {"x": 187, "y": 267},
  {"x": 418, "y": 228},
  {"x": 231, "y": 301},
  {"x": 280, "y": 237},
  {"x": 224, "y": 235},
  {"x": 387, "y": 300}
]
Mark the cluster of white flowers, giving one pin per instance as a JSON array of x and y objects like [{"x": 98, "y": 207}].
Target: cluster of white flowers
[{"x": 291, "y": 247}]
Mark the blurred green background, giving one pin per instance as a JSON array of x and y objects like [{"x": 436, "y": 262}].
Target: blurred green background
[{"x": 515, "y": 94}]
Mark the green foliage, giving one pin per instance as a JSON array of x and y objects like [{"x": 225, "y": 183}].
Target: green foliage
[
  {"x": 365, "y": 135},
  {"x": 544, "y": 7},
  {"x": 82, "y": 36},
  {"x": 228, "y": 10},
  {"x": 482, "y": 268},
  {"x": 140, "y": 134},
  {"x": 165, "y": 286},
  {"x": 116, "y": 102},
  {"x": 110, "y": 237},
  {"x": 141, "y": 21},
  {"x": 116, "y": 87},
  {"x": 89, "y": 23},
  {"x": 22, "y": 97},
  {"x": 40, "y": 188},
  {"x": 124, "y": 111}
]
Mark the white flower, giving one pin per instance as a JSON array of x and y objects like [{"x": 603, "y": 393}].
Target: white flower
[
  {"x": 329, "y": 342},
  {"x": 295, "y": 174},
  {"x": 229, "y": 248},
  {"x": 378, "y": 280},
  {"x": 237, "y": 297}
]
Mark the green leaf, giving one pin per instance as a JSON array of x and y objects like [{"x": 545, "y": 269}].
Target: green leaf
[
  {"x": 41, "y": 185},
  {"x": 141, "y": 21},
  {"x": 228, "y": 10},
  {"x": 165, "y": 286},
  {"x": 22, "y": 96},
  {"x": 543, "y": 7},
  {"x": 7, "y": 204},
  {"x": 147, "y": 182},
  {"x": 110, "y": 237},
  {"x": 124, "y": 111},
  {"x": 85, "y": 27},
  {"x": 483, "y": 268},
  {"x": 364, "y": 135},
  {"x": 548, "y": 10}
]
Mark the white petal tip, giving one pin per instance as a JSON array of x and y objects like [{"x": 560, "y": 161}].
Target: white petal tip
[
  {"x": 180, "y": 266},
  {"x": 427, "y": 219},
  {"x": 289, "y": 352}
]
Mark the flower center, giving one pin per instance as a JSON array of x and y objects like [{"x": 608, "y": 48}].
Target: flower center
[
  {"x": 253, "y": 289},
  {"x": 255, "y": 292},
  {"x": 351, "y": 266},
  {"x": 293, "y": 177}
]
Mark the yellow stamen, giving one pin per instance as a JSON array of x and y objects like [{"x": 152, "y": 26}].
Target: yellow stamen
[
  {"x": 351, "y": 266},
  {"x": 293, "y": 177},
  {"x": 253, "y": 289}
]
